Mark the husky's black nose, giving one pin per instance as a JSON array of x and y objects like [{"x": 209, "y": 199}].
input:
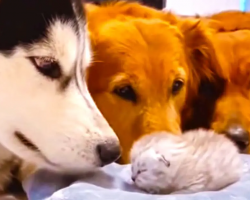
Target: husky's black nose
[
  {"x": 108, "y": 152},
  {"x": 239, "y": 136}
]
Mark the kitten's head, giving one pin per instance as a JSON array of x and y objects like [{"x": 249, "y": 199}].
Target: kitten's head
[{"x": 153, "y": 172}]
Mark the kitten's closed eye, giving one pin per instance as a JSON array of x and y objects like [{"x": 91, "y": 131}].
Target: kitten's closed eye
[
  {"x": 137, "y": 173},
  {"x": 140, "y": 171}
]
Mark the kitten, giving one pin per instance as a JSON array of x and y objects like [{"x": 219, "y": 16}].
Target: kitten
[{"x": 196, "y": 161}]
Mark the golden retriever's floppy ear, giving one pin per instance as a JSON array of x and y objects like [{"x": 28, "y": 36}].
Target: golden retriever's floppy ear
[
  {"x": 217, "y": 26},
  {"x": 198, "y": 39}
]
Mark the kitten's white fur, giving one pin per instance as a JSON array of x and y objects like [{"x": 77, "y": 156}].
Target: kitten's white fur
[{"x": 196, "y": 161}]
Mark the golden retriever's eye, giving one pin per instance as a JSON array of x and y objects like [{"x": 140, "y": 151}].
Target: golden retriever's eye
[
  {"x": 177, "y": 85},
  {"x": 47, "y": 66},
  {"x": 126, "y": 93}
]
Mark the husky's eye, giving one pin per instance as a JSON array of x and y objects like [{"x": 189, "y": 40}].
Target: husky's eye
[
  {"x": 47, "y": 66},
  {"x": 126, "y": 93},
  {"x": 177, "y": 85}
]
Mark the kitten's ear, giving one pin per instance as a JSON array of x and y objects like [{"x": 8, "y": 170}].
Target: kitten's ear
[{"x": 162, "y": 159}]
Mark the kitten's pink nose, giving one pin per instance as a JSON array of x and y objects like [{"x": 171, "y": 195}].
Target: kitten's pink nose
[{"x": 133, "y": 178}]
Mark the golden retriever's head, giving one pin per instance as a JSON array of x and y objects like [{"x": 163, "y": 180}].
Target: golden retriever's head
[
  {"x": 232, "y": 111},
  {"x": 145, "y": 70},
  {"x": 232, "y": 114}
]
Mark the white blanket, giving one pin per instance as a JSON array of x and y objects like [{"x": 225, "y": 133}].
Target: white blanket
[{"x": 113, "y": 182}]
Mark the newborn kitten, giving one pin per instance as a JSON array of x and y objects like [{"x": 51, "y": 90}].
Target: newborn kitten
[{"x": 196, "y": 161}]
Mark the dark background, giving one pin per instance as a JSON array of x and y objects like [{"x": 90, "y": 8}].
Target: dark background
[{"x": 159, "y": 4}]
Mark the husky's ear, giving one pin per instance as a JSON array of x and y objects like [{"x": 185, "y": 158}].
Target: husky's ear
[{"x": 198, "y": 39}]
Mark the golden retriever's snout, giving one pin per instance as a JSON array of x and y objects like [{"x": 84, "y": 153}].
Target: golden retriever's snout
[
  {"x": 239, "y": 136},
  {"x": 108, "y": 152}
]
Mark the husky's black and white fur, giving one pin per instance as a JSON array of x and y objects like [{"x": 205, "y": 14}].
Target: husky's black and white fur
[{"x": 47, "y": 114}]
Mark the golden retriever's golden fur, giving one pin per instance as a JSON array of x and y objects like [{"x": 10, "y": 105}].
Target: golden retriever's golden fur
[
  {"x": 233, "y": 107},
  {"x": 147, "y": 68},
  {"x": 230, "y": 114},
  {"x": 225, "y": 21}
]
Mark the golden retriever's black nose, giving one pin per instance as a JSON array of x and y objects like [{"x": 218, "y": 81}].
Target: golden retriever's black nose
[
  {"x": 108, "y": 152},
  {"x": 239, "y": 136}
]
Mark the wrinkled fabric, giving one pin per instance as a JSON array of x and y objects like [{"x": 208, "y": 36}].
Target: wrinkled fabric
[
  {"x": 202, "y": 7},
  {"x": 113, "y": 182}
]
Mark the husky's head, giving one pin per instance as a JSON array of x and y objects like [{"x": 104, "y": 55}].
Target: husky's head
[{"x": 47, "y": 115}]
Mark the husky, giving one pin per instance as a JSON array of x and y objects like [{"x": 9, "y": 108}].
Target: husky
[{"x": 48, "y": 117}]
